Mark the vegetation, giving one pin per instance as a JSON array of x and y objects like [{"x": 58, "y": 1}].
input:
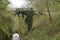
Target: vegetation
[{"x": 42, "y": 27}]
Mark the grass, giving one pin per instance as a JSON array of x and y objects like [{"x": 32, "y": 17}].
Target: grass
[
  {"x": 42, "y": 28},
  {"x": 6, "y": 24},
  {"x": 45, "y": 31}
]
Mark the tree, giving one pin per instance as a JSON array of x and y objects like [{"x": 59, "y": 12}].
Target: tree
[
  {"x": 3, "y": 7},
  {"x": 47, "y": 5}
]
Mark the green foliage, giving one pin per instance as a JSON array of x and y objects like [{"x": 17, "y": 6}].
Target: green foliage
[
  {"x": 6, "y": 24},
  {"x": 45, "y": 31},
  {"x": 42, "y": 28},
  {"x": 3, "y": 4},
  {"x": 3, "y": 7},
  {"x": 5, "y": 21}
]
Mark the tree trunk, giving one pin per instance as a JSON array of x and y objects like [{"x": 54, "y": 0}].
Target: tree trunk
[{"x": 48, "y": 11}]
